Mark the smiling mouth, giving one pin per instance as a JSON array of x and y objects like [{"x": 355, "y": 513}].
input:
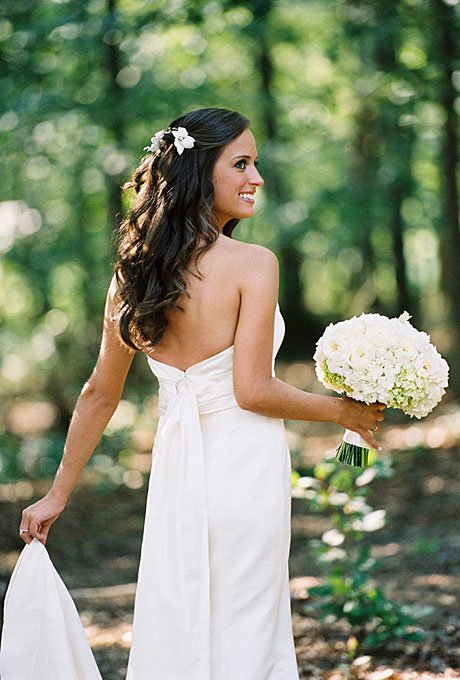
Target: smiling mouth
[{"x": 249, "y": 198}]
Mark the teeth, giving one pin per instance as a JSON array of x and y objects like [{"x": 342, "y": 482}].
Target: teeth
[{"x": 250, "y": 196}]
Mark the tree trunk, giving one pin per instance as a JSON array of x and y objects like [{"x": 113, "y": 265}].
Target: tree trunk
[
  {"x": 301, "y": 329},
  {"x": 114, "y": 119},
  {"x": 380, "y": 141},
  {"x": 398, "y": 144},
  {"x": 404, "y": 302},
  {"x": 446, "y": 49},
  {"x": 363, "y": 172}
]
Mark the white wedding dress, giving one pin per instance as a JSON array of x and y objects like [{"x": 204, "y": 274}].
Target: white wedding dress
[{"x": 212, "y": 600}]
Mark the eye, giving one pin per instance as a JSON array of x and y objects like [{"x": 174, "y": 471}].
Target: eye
[{"x": 237, "y": 164}]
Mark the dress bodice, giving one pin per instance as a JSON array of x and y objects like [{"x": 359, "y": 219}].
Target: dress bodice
[{"x": 210, "y": 380}]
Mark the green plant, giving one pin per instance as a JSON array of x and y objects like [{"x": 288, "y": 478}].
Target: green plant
[{"x": 348, "y": 591}]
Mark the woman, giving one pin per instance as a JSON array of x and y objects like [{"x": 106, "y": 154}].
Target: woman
[{"x": 212, "y": 601}]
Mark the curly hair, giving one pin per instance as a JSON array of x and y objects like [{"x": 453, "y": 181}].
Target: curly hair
[{"x": 170, "y": 224}]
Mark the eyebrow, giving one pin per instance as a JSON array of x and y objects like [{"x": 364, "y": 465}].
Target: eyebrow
[{"x": 243, "y": 156}]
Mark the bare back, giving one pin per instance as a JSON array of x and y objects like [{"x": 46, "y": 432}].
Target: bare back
[{"x": 208, "y": 323}]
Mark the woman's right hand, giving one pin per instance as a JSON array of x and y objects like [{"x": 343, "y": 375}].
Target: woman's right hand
[
  {"x": 362, "y": 418},
  {"x": 38, "y": 518}
]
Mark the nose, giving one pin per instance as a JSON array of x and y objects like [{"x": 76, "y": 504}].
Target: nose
[{"x": 256, "y": 178}]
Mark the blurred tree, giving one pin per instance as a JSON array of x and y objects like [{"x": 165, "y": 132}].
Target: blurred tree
[
  {"x": 350, "y": 102},
  {"x": 301, "y": 327},
  {"x": 362, "y": 184},
  {"x": 445, "y": 33},
  {"x": 115, "y": 118},
  {"x": 382, "y": 159},
  {"x": 397, "y": 137}
]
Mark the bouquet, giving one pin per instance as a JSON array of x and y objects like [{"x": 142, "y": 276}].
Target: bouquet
[{"x": 373, "y": 358}]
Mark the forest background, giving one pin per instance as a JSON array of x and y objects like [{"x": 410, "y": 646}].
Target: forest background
[{"x": 355, "y": 107}]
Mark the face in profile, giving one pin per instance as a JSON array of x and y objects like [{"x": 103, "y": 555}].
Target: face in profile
[{"x": 236, "y": 179}]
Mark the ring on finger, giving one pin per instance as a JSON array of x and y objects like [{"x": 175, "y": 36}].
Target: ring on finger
[{"x": 24, "y": 531}]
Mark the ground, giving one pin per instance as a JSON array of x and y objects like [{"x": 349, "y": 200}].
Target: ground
[{"x": 95, "y": 547}]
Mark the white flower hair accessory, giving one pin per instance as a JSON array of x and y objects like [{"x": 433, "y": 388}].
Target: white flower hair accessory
[
  {"x": 155, "y": 141},
  {"x": 182, "y": 140}
]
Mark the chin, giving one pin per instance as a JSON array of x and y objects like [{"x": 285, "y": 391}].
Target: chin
[{"x": 248, "y": 212}]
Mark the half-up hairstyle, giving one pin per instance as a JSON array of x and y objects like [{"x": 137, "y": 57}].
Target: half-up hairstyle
[{"x": 170, "y": 224}]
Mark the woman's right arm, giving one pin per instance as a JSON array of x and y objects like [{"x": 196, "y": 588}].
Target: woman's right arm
[
  {"x": 255, "y": 387},
  {"x": 95, "y": 406}
]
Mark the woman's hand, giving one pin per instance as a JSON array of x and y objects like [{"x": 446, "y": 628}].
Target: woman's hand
[
  {"x": 38, "y": 518},
  {"x": 362, "y": 418}
]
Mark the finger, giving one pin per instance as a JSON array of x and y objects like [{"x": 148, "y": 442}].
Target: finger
[
  {"x": 367, "y": 436},
  {"x": 372, "y": 424},
  {"x": 25, "y": 525},
  {"x": 24, "y": 534},
  {"x": 45, "y": 527},
  {"x": 377, "y": 418},
  {"x": 35, "y": 530}
]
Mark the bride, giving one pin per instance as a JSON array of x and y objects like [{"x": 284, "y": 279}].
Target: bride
[{"x": 212, "y": 600}]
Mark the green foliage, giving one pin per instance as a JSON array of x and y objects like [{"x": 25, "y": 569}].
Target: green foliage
[
  {"x": 335, "y": 380},
  {"x": 348, "y": 109},
  {"x": 30, "y": 457},
  {"x": 38, "y": 456},
  {"x": 348, "y": 591},
  {"x": 426, "y": 546}
]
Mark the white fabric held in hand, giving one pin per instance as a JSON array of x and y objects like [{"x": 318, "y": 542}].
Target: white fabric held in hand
[{"x": 42, "y": 638}]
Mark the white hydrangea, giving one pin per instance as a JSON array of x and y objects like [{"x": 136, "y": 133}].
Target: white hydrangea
[{"x": 373, "y": 358}]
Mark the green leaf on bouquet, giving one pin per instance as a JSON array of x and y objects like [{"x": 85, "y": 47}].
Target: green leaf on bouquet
[{"x": 336, "y": 381}]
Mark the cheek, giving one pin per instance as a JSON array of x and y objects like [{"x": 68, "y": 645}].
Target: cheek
[
  {"x": 225, "y": 187},
  {"x": 218, "y": 197}
]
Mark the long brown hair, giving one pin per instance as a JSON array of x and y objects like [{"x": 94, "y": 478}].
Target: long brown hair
[{"x": 170, "y": 224}]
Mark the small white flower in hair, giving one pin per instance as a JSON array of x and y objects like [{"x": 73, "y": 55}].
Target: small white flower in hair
[
  {"x": 182, "y": 140},
  {"x": 155, "y": 141}
]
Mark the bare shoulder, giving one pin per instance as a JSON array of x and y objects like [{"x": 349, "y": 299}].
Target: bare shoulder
[
  {"x": 252, "y": 261},
  {"x": 252, "y": 252}
]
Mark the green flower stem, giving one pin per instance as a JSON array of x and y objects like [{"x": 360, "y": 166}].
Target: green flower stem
[{"x": 353, "y": 455}]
